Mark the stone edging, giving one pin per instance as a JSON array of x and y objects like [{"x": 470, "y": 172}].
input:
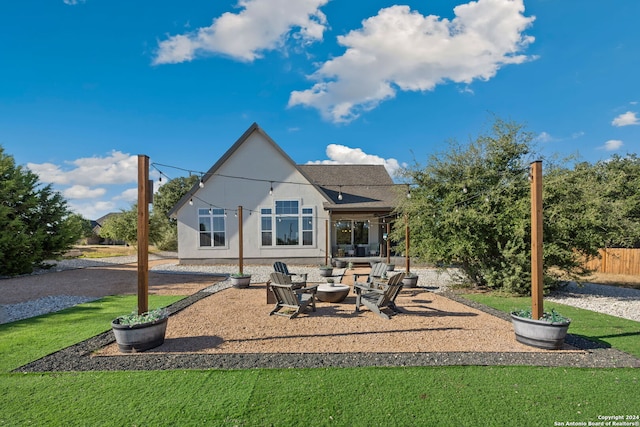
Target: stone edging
[{"x": 79, "y": 357}]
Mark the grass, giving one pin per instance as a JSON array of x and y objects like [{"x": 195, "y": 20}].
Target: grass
[
  {"x": 402, "y": 396},
  {"x": 611, "y": 331},
  {"x": 462, "y": 396},
  {"x": 104, "y": 251},
  {"x": 30, "y": 339}
]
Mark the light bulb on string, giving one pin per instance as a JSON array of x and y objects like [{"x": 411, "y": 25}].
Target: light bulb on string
[
  {"x": 340, "y": 193},
  {"x": 271, "y": 189},
  {"x": 191, "y": 202},
  {"x": 201, "y": 184}
]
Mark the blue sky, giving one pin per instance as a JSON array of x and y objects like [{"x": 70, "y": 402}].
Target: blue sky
[{"x": 86, "y": 86}]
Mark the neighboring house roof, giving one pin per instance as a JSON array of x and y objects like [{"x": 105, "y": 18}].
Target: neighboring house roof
[
  {"x": 363, "y": 187},
  {"x": 96, "y": 225}
]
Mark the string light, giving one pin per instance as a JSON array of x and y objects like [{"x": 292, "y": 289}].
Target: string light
[{"x": 507, "y": 179}]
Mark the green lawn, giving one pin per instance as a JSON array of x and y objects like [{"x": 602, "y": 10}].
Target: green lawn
[
  {"x": 30, "y": 339},
  {"x": 458, "y": 395},
  {"x": 611, "y": 331}
]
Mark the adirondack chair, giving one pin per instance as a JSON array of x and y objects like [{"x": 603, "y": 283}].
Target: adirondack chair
[
  {"x": 377, "y": 299},
  {"x": 288, "y": 298},
  {"x": 377, "y": 271},
  {"x": 281, "y": 267}
]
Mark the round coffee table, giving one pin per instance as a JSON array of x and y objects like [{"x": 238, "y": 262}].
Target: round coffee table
[{"x": 332, "y": 293}]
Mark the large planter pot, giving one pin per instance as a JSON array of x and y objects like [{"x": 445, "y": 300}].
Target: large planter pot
[
  {"x": 326, "y": 272},
  {"x": 141, "y": 337},
  {"x": 539, "y": 333},
  {"x": 340, "y": 263},
  {"x": 241, "y": 282},
  {"x": 410, "y": 282},
  {"x": 391, "y": 267}
]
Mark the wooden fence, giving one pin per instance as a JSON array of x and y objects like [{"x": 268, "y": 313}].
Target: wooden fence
[{"x": 617, "y": 261}]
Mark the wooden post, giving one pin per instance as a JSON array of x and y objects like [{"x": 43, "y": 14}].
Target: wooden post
[
  {"x": 388, "y": 243},
  {"x": 326, "y": 242},
  {"x": 240, "y": 242},
  {"x": 536, "y": 241},
  {"x": 143, "y": 234},
  {"x": 407, "y": 262}
]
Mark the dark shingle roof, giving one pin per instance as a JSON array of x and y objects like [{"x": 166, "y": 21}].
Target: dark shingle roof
[{"x": 363, "y": 187}]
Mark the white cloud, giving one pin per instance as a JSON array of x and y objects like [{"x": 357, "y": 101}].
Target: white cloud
[
  {"x": 73, "y": 2},
  {"x": 117, "y": 168},
  {"x": 626, "y": 119},
  {"x": 545, "y": 137},
  {"x": 92, "y": 180},
  {"x": 93, "y": 210},
  {"x": 83, "y": 192},
  {"x": 261, "y": 25},
  {"x": 343, "y": 155},
  {"x": 612, "y": 145},
  {"x": 129, "y": 195},
  {"x": 400, "y": 49}
]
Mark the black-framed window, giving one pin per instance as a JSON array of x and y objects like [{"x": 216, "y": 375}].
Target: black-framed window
[
  {"x": 212, "y": 227},
  {"x": 284, "y": 224}
]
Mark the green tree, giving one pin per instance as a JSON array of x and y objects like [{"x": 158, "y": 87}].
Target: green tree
[
  {"x": 35, "y": 222},
  {"x": 163, "y": 201},
  {"x": 162, "y": 230},
  {"x": 471, "y": 207},
  {"x": 124, "y": 226},
  {"x": 81, "y": 226},
  {"x": 170, "y": 193},
  {"x": 616, "y": 182}
]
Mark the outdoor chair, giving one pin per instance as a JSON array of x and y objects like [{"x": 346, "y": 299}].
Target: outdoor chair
[
  {"x": 281, "y": 267},
  {"x": 377, "y": 299},
  {"x": 378, "y": 270},
  {"x": 295, "y": 300}
]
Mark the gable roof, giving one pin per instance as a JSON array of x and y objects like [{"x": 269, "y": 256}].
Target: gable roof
[
  {"x": 363, "y": 187},
  {"x": 212, "y": 171}
]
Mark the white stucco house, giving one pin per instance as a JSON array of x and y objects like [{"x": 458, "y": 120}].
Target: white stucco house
[{"x": 298, "y": 214}]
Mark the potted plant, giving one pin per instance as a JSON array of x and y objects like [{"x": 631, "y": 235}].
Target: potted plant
[
  {"x": 548, "y": 332},
  {"x": 326, "y": 270},
  {"x": 410, "y": 280},
  {"x": 391, "y": 267},
  {"x": 240, "y": 280},
  {"x": 331, "y": 282},
  {"x": 139, "y": 332},
  {"x": 340, "y": 263}
]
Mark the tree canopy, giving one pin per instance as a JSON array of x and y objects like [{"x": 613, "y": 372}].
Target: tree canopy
[
  {"x": 470, "y": 206},
  {"x": 35, "y": 222},
  {"x": 162, "y": 230}
]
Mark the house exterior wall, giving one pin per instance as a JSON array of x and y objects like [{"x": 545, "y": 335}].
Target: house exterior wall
[{"x": 258, "y": 162}]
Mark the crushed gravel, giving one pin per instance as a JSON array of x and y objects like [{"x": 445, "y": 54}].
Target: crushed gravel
[{"x": 615, "y": 301}]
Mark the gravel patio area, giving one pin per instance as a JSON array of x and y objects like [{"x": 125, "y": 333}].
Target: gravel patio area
[{"x": 223, "y": 327}]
